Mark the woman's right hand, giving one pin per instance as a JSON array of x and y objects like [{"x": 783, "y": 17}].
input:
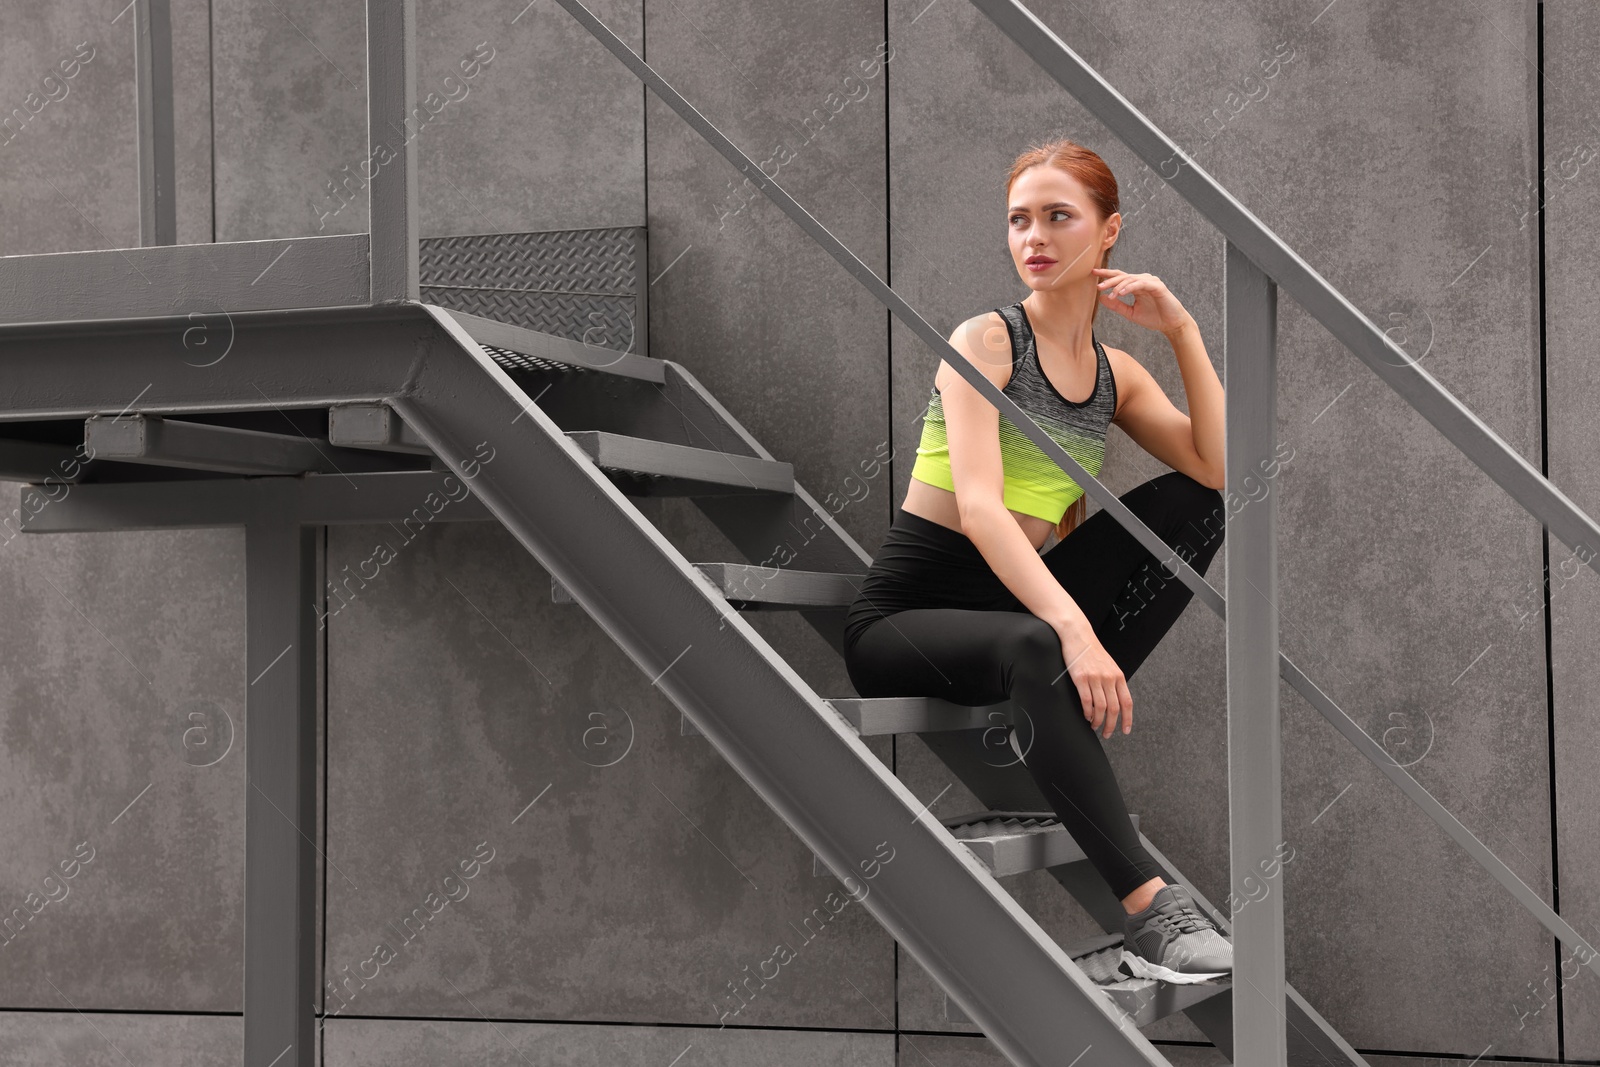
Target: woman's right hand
[{"x": 1101, "y": 686}]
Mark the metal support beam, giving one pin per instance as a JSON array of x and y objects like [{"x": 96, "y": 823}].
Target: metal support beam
[
  {"x": 282, "y": 587},
  {"x": 409, "y": 499},
  {"x": 374, "y": 426},
  {"x": 35, "y": 461},
  {"x": 209, "y": 285},
  {"x": 158, "y": 216},
  {"x": 162, "y": 442},
  {"x": 1255, "y": 797},
  {"x": 304, "y": 357},
  {"x": 391, "y": 164}
]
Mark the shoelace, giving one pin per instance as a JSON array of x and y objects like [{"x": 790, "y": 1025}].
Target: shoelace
[{"x": 1183, "y": 919}]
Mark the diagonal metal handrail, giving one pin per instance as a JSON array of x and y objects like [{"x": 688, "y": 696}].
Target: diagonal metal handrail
[{"x": 1415, "y": 385}]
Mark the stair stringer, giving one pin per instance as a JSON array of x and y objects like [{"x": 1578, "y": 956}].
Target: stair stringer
[{"x": 798, "y": 754}]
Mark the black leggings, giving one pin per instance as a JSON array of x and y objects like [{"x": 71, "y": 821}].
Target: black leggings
[{"x": 933, "y": 619}]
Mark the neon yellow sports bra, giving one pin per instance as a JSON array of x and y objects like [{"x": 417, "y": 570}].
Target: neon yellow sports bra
[{"x": 1034, "y": 483}]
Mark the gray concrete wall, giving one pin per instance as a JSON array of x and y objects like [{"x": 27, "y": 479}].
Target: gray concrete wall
[{"x": 632, "y": 874}]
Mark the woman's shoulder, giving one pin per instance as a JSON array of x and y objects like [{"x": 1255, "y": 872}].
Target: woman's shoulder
[{"x": 991, "y": 318}]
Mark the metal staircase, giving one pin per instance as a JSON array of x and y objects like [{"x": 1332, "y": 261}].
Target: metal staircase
[
  {"x": 1017, "y": 832},
  {"x": 562, "y": 474},
  {"x": 341, "y": 396}
]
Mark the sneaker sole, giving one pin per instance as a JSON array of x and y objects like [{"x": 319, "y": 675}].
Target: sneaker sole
[{"x": 1143, "y": 968}]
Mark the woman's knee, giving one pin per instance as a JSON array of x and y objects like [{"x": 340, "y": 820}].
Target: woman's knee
[
  {"x": 1184, "y": 492},
  {"x": 1033, "y": 653},
  {"x": 1196, "y": 511}
]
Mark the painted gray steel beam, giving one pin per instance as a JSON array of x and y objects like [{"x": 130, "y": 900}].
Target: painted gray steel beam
[
  {"x": 163, "y": 442},
  {"x": 374, "y": 426},
  {"x": 1310, "y": 290},
  {"x": 392, "y": 149},
  {"x": 795, "y": 751},
  {"x": 204, "y": 284},
  {"x": 410, "y": 499},
  {"x": 1255, "y": 757},
  {"x": 562, "y": 350},
  {"x": 158, "y": 216},
  {"x": 307, "y": 357},
  {"x": 282, "y": 587},
  {"x": 35, "y": 461}
]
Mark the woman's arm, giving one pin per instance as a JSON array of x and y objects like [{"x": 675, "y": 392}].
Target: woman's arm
[
  {"x": 1190, "y": 443},
  {"x": 1206, "y": 400}
]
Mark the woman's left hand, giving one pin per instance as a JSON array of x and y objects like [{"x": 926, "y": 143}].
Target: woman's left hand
[{"x": 1154, "y": 307}]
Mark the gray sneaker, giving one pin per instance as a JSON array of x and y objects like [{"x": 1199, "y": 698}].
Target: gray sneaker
[{"x": 1173, "y": 941}]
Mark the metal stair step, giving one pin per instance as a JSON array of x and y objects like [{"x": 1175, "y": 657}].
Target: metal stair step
[
  {"x": 752, "y": 588},
  {"x": 1011, "y": 842},
  {"x": 1008, "y": 842},
  {"x": 901, "y": 715},
  {"x": 917, "y": 715},
  {"x": 640, "y": 466},
  {"x": 1144, "y": 999}
]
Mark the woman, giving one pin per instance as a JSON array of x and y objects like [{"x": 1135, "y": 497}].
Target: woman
[{"x": 960, "y": 603}]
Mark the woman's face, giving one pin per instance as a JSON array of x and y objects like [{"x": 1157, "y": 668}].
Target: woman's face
[{"x": 1051, "y": 220}]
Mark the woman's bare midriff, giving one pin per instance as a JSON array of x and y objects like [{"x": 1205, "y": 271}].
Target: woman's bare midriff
[{"x": 939, "y": 505}]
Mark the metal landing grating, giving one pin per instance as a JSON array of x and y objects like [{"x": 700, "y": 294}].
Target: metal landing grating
[{"x": 522, "y": 361}]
